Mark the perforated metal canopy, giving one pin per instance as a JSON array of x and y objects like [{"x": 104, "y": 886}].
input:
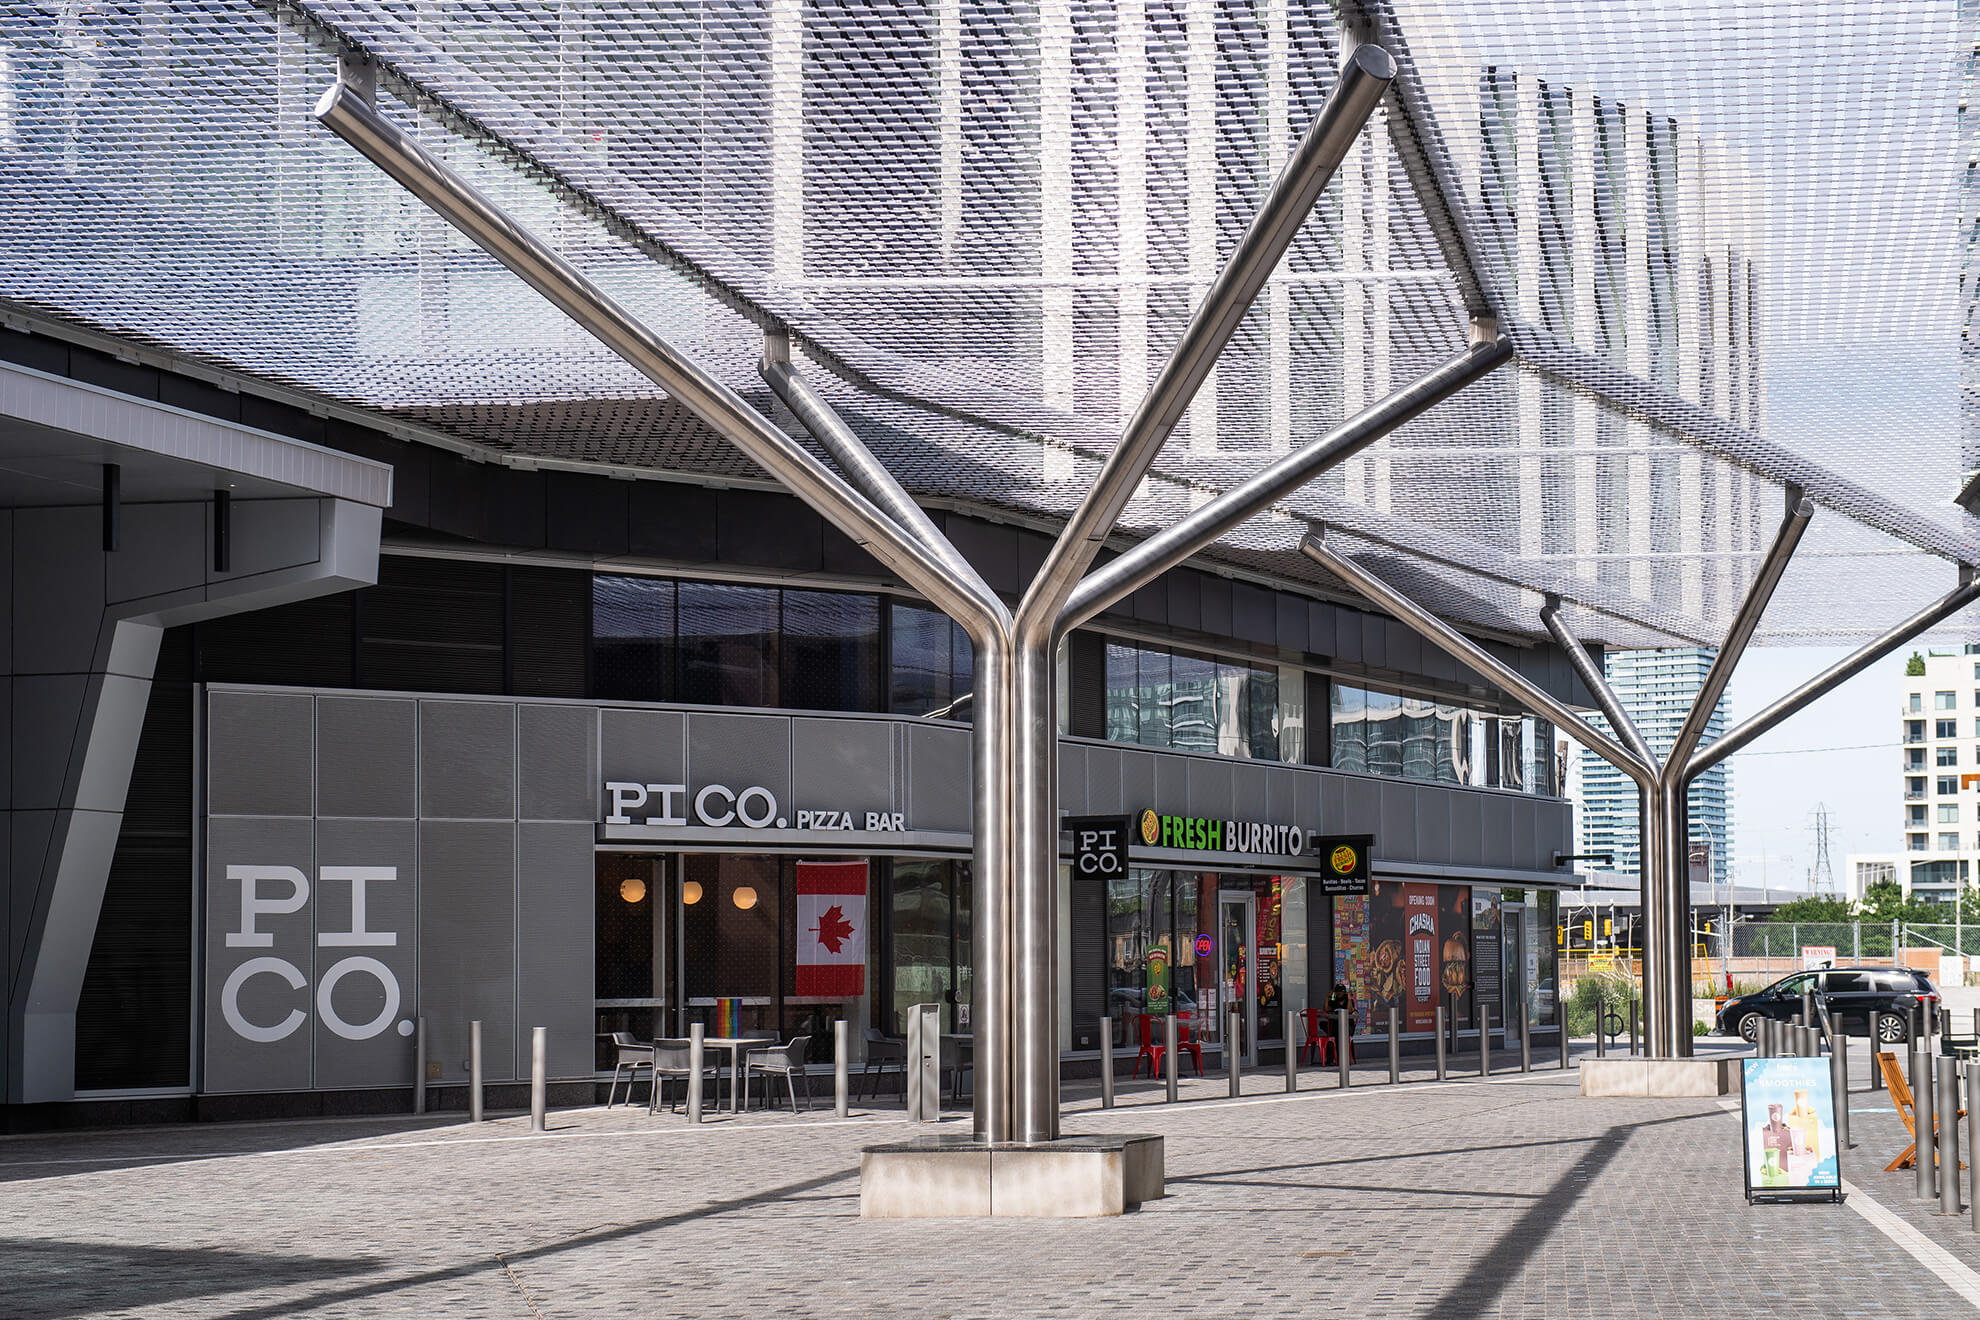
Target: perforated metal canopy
[{"x": 1730, "y": 242}]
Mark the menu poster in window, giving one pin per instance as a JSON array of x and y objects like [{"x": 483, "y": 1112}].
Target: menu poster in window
[
  {"x": 1386, "y": 977},
  {"x": 1788, "y": 1128},
  {"x": 1454, "y": 924},
  {"x": 1486, "y": 972},
  {"x": 1351, "y": 954},
  {"x": 1421, "y": 948},
  {"x": 1156, "y": 968}
]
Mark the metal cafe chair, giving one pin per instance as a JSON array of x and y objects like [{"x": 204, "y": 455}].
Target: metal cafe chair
[
  {"x": 673, "y": 1058},
  {"x": 1151, "y": 1049},
  {"x": 632, "y": 1057},
  {"x": 884, "y": 1054},
  {"x": 787, "y": 1060}
]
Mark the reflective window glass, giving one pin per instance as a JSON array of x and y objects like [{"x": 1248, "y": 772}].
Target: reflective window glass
[
  {"x": 632, "y": 628},
  {"x": 830, "y": 651},
  {"x": 1348, "y": 714},
  {"x": 728, "y": 644}
]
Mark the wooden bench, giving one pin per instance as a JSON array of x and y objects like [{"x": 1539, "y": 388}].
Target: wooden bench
[{"x": 1900, "y": 1088}]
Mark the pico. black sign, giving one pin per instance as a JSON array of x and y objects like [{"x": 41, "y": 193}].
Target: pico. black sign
[{"x": 1100, "y": 846}]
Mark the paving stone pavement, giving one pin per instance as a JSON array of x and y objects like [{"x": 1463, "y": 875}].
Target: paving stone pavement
[{"x": 1509, "y": 1198}]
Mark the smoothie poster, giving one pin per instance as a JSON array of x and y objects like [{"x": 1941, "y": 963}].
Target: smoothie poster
[{"x": 1788, "y": 1126}]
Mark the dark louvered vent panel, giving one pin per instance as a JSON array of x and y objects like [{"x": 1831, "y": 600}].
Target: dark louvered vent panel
[
  {"x": 1086, "y": 661},
  {"x": 306, "y": 644},
  {"x": 1089, "y": 962},
  {"x": 549, "y": 631},
  {"x": 432, "y": 625}
]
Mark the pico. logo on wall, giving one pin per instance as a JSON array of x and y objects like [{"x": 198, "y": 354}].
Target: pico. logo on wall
[
  {"x": 720, "y": 806},
  {"x": 255, "y": 905}
]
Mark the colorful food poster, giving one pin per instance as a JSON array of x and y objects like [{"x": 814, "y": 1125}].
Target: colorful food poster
[
  {"x": 1387, "y": 977},
  {"x": 1454, "y": 924},
  {"x": 1788, "y": 1128},
  {"x": 1351, "y": 959},
  {"x": 1157, "y": 967},
  {"x": 1421, "y": 950}
]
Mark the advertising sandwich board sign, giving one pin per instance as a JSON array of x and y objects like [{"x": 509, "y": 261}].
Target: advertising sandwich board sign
[{"x": 1788, "y": 1130}]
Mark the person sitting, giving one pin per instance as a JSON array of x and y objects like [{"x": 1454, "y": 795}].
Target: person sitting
[{"x": 1337, "y": 1000}]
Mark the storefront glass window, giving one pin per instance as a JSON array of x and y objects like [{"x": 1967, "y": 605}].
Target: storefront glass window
[
  {"x": 1546, "y": 989},
  {"x": 630, "y": 956},
  {"x": 831, "y": 651},
  {"x": 1151, "y": 949},
  {"x": 924, "y": 955},
  {"x": 1406, "y": 946},
  {"x": 931, "y": 668},
  {"x": 728, "y": 644},
  {"x": 1162, "y": 698},
  {"x": 632, "y": 625},
  {"x": 731, "y": 932}
]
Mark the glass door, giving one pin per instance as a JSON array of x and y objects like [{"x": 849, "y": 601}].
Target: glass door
[
  {"x": 1237, "y": 972},
  {"x": 1518, "y": 993}
]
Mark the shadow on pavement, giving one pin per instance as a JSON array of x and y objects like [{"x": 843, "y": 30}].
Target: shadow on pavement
[
  {"x": 57, "y": 1155},
  {"x": 49, "y": 1279}
]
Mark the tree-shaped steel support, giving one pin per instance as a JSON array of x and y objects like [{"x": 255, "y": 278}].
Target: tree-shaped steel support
[
  {"x": 1015, "y": 754},
  {"x": 1661, "y": 781}
]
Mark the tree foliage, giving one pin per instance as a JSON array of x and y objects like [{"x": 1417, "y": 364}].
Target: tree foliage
[{"x": 1915, "y": 667}]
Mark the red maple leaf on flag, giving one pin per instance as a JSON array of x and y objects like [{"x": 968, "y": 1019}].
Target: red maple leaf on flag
[{"x": 833, "y": 928}]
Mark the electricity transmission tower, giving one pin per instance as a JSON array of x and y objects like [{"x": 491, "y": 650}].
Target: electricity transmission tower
[{"x": 1822, "y": 879}]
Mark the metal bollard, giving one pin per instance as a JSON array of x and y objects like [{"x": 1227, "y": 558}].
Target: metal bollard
[
  {"x": 1924, "y": 1185},
  {"x": 474, "y": 1071},
  {"x": 1485, "y": 1039},
  {"x": 539, "y": 1078},
  {"x": 1106, "y": 1063},
  {"x": 1976, "y": 1022},
  {"x": 1632, "y": 1028},
  {"x": 696, "y": 1057},
  {"x": 1949, "y": 1136},
  {"x": 1876, "y": 1069},
  {"x": 1973, "y": 1140},
  {"x": 1169, "y": 1052},
  {"x": 1807, "y": 1006},
  {"x": 1562, "y": 1062},
  {"x": 419, "y": 1066},
  {"x": 1839, "y": 1087},
  {"x": 1601, "y": 1048},
  {"x": 1442, "y": 1074},
  {"x": 1343, "y": 1045},
  {"x": 1395, "y": 1049},
  {"x": 1231, "y": 1051},
  {"x": 1292, "y": 1053},
  {"x": 841, "y": 1070},
  {"x": 1526, "y": 1041}
]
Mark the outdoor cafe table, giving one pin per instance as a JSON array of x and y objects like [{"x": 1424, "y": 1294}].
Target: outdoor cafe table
[{"x": 735, "y": 1045}]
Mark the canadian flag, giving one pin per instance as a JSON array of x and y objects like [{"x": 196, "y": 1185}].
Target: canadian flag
[{"x": 831, "y": 935}]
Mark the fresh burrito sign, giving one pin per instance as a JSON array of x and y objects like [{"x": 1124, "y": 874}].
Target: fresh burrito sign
[{"x": 1208, "y": 834}]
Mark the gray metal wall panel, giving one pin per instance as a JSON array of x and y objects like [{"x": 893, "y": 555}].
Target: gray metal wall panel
[
  {"x": 740, "y": 751},
  {"x": 1212, "y": 790},
  {"x": 1104, "y": 794},
  {"x": 1361, "y": 811},
  {"x": 843, "y": 765},
  {"x": 1333, "y": 815},
  {"x": 467, "y": 760},
  {"x": 365, "y": 756},
  {"x": 1553, "y": 829},
  {"x": 555, "y": 980},
  {"x": 1467, "y": 813},
  {"x": 378, "y": 1050},
  {"x": 1171, "y": 783},
  {"x": 1432, "y": 810},
  {"x": 265, "y": 999},
  {"x": 1251, "y": 791},
  {"x": 559, "y": 763},
  {"x": 938, "y": 775},
  {"x": 270, "y": 739},
  {"x": 642, "y": 746},
  {"x": 1073, "y": 797},
  {"x": 1396, "y": 816},
  {"x": 1522, "y": 829},
  {"x": 1281, "y": 803},
  {"x": 1496, "y": 832},
  {"x": 467, "y": 940},
  {"x": 1138, "y": 789},
  {"x": 1321, "y": 633}
]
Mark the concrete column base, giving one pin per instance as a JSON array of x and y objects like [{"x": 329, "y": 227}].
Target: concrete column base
[
  {"x": 1660, "y": 1078},
  {"x": 944, "y": 1176}
]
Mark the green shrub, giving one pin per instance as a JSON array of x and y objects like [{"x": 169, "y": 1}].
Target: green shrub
[
  {"x": 1600, "y": 991},
  {"x": 1700, "y": 1029}
]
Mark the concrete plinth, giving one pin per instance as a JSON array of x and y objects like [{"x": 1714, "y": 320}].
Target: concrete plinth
[
  {"x": 1650, "y": 1078},
  {"x": 955, "y": 1176}
]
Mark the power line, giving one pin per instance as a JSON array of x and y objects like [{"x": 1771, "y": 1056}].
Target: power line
[{"x": 1804, "y": 751}]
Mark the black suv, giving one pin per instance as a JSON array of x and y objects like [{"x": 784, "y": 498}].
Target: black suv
[{"x": 1863, "y": 1001}]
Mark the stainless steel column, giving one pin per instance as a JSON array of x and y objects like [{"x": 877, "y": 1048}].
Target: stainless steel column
[
  {"x": 1949, "y": 1136},
  {"x": 1343, "y": 1046},
  {"x": 539, "y": 1078},
  {"x": 1442, "y": 1074},
  {"x": 697, "y": 1060},
  {"x": 419, "y": 1066},
  {"x": 1485, "y": 1039},
  {"x": 1292, "y": 1054},
  {"x": 474, "y": 1071},
  {"x": 1922, "y": 1109},
  {"x": 1231, "y": 1061},
  {"x": 1973, "y": 1140},
  {"x": 1395, "y": 1049},
  {"x": 1839, "y": 1087},
  {"x": 1169, "y": 1053},
  {"x": 1106, "y": 1063},
  {"x": 841, "y": 1072}
]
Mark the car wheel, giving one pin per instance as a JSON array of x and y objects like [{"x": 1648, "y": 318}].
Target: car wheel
[
  {"x": 1892, "y": 1028},
  {"x": 1749, "y": 1028}
]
